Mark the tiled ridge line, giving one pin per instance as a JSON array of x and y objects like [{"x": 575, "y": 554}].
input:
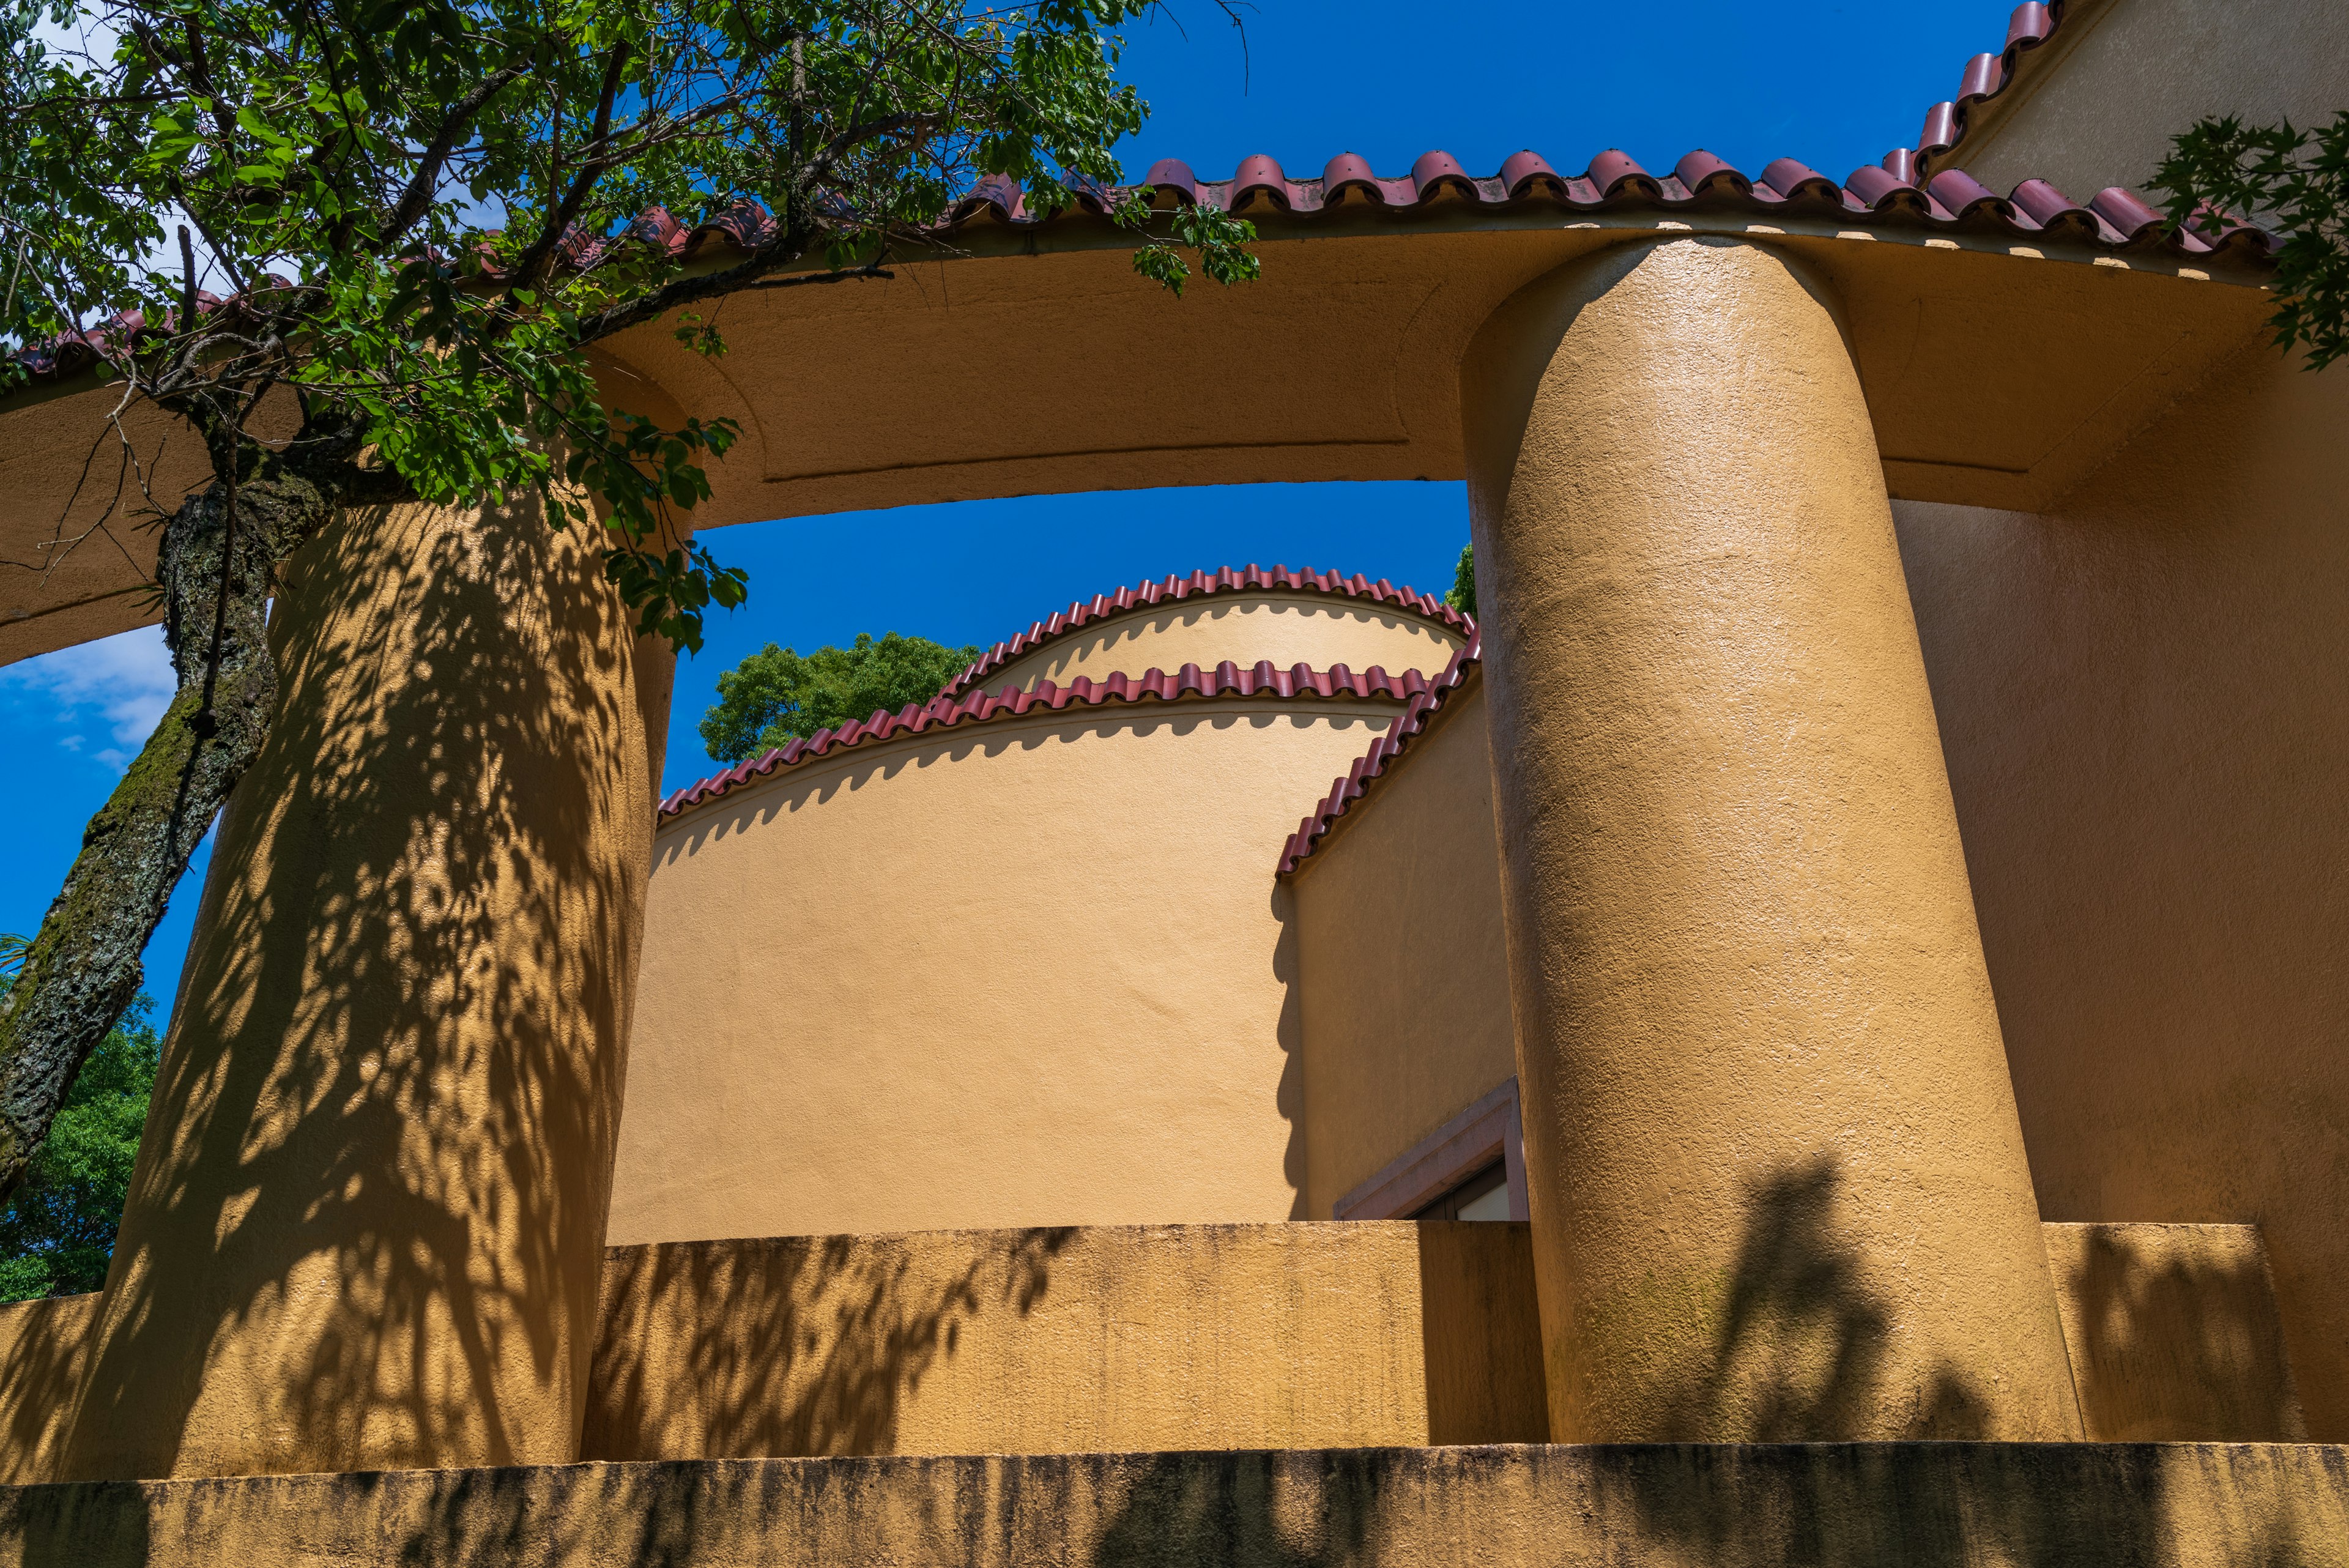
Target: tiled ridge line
[
  {"x": 1250, "y": 578},
  {"x": 1355, "y": 782},
  {"x": 1190, "y": 682},
  {"x": 2114, "y": 219}
]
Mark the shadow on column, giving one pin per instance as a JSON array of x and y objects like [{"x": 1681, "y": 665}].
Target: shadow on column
[
  {"x": 1799, "y": 1359},
  {"x": 1799, "y": 1355},
  {"x": 374, "y": 1177}
]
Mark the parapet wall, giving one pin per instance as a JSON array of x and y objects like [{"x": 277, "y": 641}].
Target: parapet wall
[
  {"x": 1346, "y": 1336},
  {"x": 1069, "y": 1341}
]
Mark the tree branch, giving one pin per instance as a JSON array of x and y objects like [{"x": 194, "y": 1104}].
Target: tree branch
[
  {"x": 748, "y": 274},
  {"x": 415, "y": 201},
  {"x": 536, "y": 260}
]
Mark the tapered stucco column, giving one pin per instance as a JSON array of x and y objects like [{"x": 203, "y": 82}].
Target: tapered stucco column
[
  {"x": 1777, "y": 1183},
  {"x": 367, "y": 1222}
]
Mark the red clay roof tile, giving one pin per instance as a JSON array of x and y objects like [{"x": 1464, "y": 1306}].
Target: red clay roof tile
[
  {"x": 1613, "y": 181},
  {"x": 1250, "y": 578},
  {"x": 1227, "y": 680},
  {"x": 1416, "y": 716},
  {"x": 1986, "y": 77}
]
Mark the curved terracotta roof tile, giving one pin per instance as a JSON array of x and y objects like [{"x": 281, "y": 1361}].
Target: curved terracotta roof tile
[
  {"x": 1522, "y": 173},
  {"x": 1190, "y": 684},
  {"x": 1613, "y": 182},
  {"x": 1986, "y": 77},
  {"x": 1250, "y": 578},
  {"x": 1416, "y": 715},
  {"x": 1347, "y": 171},
  {"x": 1700, "y": 169}
]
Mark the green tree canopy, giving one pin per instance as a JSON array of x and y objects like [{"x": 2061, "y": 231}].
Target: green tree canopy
[
  {"x": 57, "y": 1232},
  {"x": 776, "y": 696},
  {"x": 1462, "y": 596},
  {"x": 360, "y": 251}
]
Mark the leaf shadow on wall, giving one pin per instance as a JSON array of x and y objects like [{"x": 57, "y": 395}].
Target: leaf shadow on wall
[
  {"x": 2178, "y": 1336},
  {"x": 1799, "y": 1352},
  {"x": 795, "y": 1346},
  {"x": 1799, "y": 1357},
  {"x": 370, "y": 1198}
]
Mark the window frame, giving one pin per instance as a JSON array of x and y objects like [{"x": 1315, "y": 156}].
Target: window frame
[{"x": 1465, "y": 1144}]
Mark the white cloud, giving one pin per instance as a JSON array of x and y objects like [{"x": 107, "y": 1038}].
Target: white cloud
[{"x": 117, "y": 686}]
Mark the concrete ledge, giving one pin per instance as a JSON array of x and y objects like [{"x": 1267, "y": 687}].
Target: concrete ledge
[{"x": 1945, "y": 1505}]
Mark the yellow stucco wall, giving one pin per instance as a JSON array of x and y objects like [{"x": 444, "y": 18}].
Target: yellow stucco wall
[
  {"x": 2140, "y": 697},
  {"x": 1033, "y": 972},
  {"x": 1405, "y": 971},
  {"x": 1069, "y": 1341},
  {"x": 2140, "y": 72},
  {"x": 1224, "y": 1337},
  {"x": 1318, "y": 629}
]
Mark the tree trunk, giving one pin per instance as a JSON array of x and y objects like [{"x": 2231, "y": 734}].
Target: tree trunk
[{"x": 216, "y": 567}]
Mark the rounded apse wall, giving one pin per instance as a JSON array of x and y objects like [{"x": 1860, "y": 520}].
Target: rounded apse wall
[
  {"x": 1034, "y": 971},
  {"x": 1315, "y": 629},
  {"x": 1317, "y": 619}
]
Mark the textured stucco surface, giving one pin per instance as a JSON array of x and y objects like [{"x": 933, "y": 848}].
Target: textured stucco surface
[
  {"x": 1777, "y": 1184},
  {"x": 1405, "y": 975},
  {"x": 2145, "y": 71},
  {"x": 367, "y": 1222},
  {"x": 1069, "y": 1341},
  {"x": 2141, "y": 697},
  {"x": 1944, "y": 1505},
  {"x": 1318, "y": 629},
  {"x": 1033, "y": 972}
]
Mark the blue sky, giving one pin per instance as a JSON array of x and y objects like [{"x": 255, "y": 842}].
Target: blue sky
[{"x": 1749, "y": 80}]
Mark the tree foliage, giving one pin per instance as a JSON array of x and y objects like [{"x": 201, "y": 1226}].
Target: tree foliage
[
  {"x": 408, "y": 205},
  {"x": 776, "y": 696},
  {"x": 361, "y": 250},
  {"x": 1462, "y": 596},
  {"x": 2295, "y": 181},
  {"x": 57, "y": 1232}
]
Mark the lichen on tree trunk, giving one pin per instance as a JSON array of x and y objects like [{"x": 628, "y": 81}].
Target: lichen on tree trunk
[{"x": 216, "y": 568}]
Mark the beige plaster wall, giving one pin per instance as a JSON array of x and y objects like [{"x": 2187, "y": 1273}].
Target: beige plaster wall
[
  {"x": 1069, "y": 1341},
  {"x": 2141, "y": 699},
  {"x": 1318, "y": 629},
  {"x": 1286, "y": 1335},
  {"x": 2143, "y": 70},
  {"x": 1404, "y": 964},
  {"x": 1029, "y": 972}
]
